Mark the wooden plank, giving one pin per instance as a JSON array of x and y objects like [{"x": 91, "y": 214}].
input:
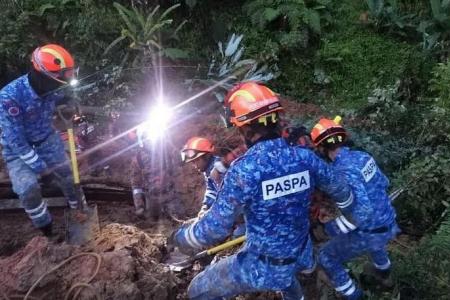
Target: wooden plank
[{"x": 9, "y": 204}]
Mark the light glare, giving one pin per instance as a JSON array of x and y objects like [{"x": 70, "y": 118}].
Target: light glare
[
  {"x": 158, "y": 121},
  {"x": 73, "y": 82}
]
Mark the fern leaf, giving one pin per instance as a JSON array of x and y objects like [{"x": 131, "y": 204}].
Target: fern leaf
[
  {"x": 123, "y": 12},
  {"x": 139, "y": 17},
  {"x": 233, "y": 44},
  {"x": 168, "y": 11},
  {"x": 113, "y": 43}
]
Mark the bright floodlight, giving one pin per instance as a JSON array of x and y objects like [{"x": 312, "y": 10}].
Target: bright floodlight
[
  {"x": 158, "y": 121},
  {"x": 73, "y": 82}
]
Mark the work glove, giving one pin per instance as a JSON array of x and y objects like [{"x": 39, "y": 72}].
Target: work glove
[{"x": 178, "y": 239}]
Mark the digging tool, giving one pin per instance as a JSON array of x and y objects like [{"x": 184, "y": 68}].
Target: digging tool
[
  {"x": 186, "y": 263},
  {"x": 81, "y": 224}
]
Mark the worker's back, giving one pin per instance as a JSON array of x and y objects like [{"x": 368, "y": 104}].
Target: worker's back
[
  {"x": 276, "y": 181},
  {"x": 372, "y": 207}
]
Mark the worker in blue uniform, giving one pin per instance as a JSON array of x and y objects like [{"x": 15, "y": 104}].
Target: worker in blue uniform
[
  {"x": 270, "y": 186},
  {"x": 30, "y": 146},
  {"x": 367, "y": 222}
]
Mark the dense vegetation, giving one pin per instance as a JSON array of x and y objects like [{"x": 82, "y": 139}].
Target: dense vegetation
[{"x": 381, "y": 64}]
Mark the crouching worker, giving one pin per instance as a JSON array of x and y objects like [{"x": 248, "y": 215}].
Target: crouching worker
[
  {"x": 200, "y": 152},
  {"x": 271, "y": 186},
  {"x": 31, "y": 147},
  {"x": 367, "y": 222}
]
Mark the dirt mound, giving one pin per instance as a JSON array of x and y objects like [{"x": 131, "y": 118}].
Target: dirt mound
[{"x": 130, "y": 267}]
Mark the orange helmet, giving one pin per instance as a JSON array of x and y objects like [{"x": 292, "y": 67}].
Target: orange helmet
[
  {"x": 328, "y": 132},
  {"x": 250, "y": 101},
  {"x": 196, "y": 147},
  {"x": 55, "y": 62}
]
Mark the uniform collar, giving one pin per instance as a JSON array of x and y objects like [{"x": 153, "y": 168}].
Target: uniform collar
[{"x": 343, "y": 151}]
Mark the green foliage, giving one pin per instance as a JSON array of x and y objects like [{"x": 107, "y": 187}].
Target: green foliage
[
  {"x": 436, "y": 30},
  {"x": 431, "y": 25},
  {"x": 228, "y": 68},
  {"x": 145, "y": 30},
  {"x": 424, "y": 272},
  {"x": 440, "y": 83},
  {"x": 357, "y": 62},
  {"x": 427, "y": 195},
  {"x": 388, "y": 16},
  {"x": 297, "y": 13},
  {"x": 293, "y": 21},
  {"x": 86, "y": 28}
]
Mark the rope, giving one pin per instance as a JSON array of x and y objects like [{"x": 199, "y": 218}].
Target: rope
[{"x": 77, "y": 285}]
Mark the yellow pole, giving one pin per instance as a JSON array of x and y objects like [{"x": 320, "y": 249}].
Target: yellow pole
[
  {"x": 226, "y": 245},
  {"x": 73, "y": 156}
]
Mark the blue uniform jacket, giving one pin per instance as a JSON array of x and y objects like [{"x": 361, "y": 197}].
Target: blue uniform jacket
[
  {"x": 271, "y": 186},
  {"x": 371, "y": 207},
  {"x": 211, "y": 186},
  {"x": 25, "y": 119}
]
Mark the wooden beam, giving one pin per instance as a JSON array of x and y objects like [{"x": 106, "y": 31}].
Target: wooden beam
[{"x": 9, "y": 204}]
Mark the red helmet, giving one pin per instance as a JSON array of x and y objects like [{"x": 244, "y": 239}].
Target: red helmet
[
  {"x": 55, "y": 62},
  {"x": 250, "y": 101},
  {"x": 328, "y": 132},
  {"x": 196, "y": 147}
]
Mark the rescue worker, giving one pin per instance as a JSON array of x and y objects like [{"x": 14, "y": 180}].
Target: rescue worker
[
  {"x": 271, "y": 186},
  {"x": 31, "y": 147},
  {"x": 367, "y": 222},
  {"x": 200, "y": 152},
  {"x": 148, "y": 178}
]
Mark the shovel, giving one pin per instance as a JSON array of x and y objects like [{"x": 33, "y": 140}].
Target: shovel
[
  {"x": 81, "y": 224},
  {"x": 187, "y": 262}
]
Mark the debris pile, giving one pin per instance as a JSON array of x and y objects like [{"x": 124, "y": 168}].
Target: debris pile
[{"x": 130, "y": 268}]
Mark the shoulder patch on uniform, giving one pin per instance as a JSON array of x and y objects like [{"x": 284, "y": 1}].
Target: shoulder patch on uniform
[
  {"x": 369, "y": 170},
  {"x": 285, "y": 185},
  {"x": 13, "y": 111},
  {"x": 11, "y": 107}
]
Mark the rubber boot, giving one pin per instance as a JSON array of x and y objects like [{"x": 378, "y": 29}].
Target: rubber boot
[
  {"x": 47, "y": 230},
  {"x": 371, "y": 275}
]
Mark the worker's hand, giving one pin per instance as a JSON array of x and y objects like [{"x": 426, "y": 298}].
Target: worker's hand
[
  {"x": 324, "y": 216},
  {"x": 179, "y": 238}
]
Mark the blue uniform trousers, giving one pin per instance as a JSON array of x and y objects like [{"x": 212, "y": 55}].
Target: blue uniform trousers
[
  {"x": 25, "y": 181},
  {"x": 244, "y": 273},
  {"x": 344, "y": 247}
]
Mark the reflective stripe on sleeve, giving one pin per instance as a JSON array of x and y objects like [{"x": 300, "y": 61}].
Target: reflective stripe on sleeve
[
  {"x": 347, "y": 223},
  {"x": 347, "y": 202},
  {"x": 191, "y": 239}
]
